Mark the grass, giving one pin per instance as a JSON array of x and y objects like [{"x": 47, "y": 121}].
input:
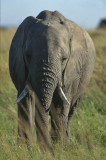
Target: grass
[{"x": 88, "y": 133}]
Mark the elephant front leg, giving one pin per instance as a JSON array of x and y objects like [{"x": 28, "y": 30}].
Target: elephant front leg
[
  {"x": 56, "y": 124},
  {"x": 71, "y": 114},
  {"x": 42, "y": 130},
  {"x": 26, "y": 118},
  {"x": 59, "y": 124}
]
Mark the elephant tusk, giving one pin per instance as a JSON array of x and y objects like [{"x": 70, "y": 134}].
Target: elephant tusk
[
  {"x": 62, "y": 95},
  {"x": 22, "y": 95}
]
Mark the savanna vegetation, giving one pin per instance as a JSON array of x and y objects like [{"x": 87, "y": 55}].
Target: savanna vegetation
[{"x": 88, "y": 130}]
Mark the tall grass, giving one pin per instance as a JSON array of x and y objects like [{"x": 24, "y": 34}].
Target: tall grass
[{"x": 88, "y": 133}]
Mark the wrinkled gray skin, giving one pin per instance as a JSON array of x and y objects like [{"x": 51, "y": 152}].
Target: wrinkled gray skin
[{"x": 48, "y": 52}]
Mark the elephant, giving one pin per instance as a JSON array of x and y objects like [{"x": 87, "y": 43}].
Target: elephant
[{"x": 51, "y": 61}]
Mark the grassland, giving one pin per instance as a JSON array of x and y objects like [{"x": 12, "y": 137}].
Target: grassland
[{"x": 88, "y": 132}]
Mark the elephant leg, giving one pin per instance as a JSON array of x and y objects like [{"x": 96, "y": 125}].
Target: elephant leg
[
  {"x": 59, "y": 117},
  {"x": 26, "y": 118},
  {"x": 42, "y": 127},
  {"x": 71, "y": 114}
]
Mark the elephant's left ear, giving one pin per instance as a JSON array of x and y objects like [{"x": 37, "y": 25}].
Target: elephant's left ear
[
  {"x": 68, "y": 72},
  {"x": 71, "y": 73}
]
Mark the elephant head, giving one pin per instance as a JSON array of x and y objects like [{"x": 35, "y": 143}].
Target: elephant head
[{"x": 46, "y": 53}]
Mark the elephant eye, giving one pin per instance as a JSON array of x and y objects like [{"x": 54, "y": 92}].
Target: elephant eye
[
  {"x": 64, "y": 59},
  {"x": 28, "y": 57}
]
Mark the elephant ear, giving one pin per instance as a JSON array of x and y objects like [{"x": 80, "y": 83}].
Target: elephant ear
[
  {"x": 72, "y": 72},
  {"x": 19, "y": 49}
]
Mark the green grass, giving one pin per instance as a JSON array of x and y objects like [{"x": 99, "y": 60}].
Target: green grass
[{"x": 88, "y": 133}]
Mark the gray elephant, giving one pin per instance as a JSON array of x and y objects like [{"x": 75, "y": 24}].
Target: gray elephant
[{"x": 51, "y": 61}]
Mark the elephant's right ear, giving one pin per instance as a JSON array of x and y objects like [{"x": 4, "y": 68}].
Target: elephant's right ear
[{"x": 18, "y": 61}]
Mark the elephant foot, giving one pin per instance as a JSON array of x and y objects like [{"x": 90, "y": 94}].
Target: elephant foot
[
  {"x": 60, "y": 137},
  {"x": 45, "y": 147}
]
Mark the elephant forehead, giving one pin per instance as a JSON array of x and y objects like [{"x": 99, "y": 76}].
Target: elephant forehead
[
  {"x": 51, "y": 39},
  {"x": 57, "y": 37},
  {"x": 59, "y": 33}
]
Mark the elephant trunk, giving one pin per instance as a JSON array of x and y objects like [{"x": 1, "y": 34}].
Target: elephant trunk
[{"x": 45, "y": 82}]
